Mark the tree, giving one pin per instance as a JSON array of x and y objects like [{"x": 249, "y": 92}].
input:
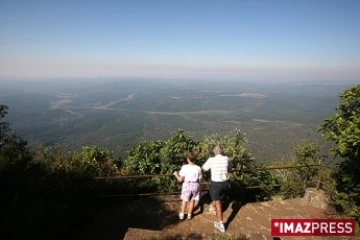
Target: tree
[
  {"x": 306, "y": 155},
  {"x": 3, "y": 125},
  {"x": 343, "y": 129},
  {"x": 11, "y": 145},
  {"x": 160, "y": 157},
  {"x": 236, "y": 148}
]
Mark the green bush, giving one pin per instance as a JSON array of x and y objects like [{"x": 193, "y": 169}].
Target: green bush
[{"x": 343, "y": 129}]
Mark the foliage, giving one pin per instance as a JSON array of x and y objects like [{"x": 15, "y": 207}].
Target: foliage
[
  {"x": 11, "y": 146},
  {"x": 307, "y": 155},
  {"x": 163, "y": 157},
  {"x": 343, "y": 129},
  {"x": 3, "y": 125},
  {"x": 236, "y": 148},
  {"x": 347, "y": 207},
  {"x": 46, "y": 191},
  {"x": 294, "y": 181},
  {"x": 101, "y": 159},
  {"x": 90, "y": 162},
  {"x": 160, "y": 157},
  {"x": 144, "y": 158}
]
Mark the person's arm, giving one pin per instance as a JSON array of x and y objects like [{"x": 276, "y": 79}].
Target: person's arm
[
  {"x": 200, "y": 175},
  {"x": 178, "y": 177},
  {"x": 207, "y": 165}
]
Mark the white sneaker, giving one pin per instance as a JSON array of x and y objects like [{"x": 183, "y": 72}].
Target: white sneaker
[
  {"x": 181, "y": 216},
  {"x": 219, "y": 226}
]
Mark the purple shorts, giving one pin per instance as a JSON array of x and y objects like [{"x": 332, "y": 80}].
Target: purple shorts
[{"x": 190, "y": 191}]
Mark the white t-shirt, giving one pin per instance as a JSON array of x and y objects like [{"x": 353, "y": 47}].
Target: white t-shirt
[
  {"x": 219, "y": 165},
  {"x": 191, "y": 173}
]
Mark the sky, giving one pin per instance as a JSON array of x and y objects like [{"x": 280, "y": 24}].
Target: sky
[{"x": 290, "y": 40}]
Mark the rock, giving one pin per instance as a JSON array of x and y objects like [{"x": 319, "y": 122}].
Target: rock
[
  {"x": 211, "y": 210},
  {"x": 317, "y": 198},
  {"x": 277, "y": 198}
]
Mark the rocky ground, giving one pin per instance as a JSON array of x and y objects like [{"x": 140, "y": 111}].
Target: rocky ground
[{"x": 156, "y": 218}]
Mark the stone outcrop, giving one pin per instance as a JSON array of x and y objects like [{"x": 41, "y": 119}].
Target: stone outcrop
[
  {"x": 317, "y": 198},
  {"x": 157, "y": 218}
]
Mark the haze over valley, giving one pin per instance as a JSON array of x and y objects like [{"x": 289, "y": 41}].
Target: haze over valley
[{"x": 117, "y": 114}]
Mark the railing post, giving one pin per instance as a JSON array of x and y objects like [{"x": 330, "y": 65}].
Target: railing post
[{"x": 318, "y": 183}]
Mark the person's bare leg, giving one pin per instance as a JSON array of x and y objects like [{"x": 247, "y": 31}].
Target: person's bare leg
[
  {"x": 191, "y": 206},
  {"x": 183, "y": 206},
  {"x": 219, "y": 212}
]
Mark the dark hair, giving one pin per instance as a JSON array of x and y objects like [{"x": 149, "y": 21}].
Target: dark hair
[{"x": 192, "y": 157}]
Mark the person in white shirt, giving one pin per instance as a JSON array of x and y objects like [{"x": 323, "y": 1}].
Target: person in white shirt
[
  {"x": 191, "y": 175},
  {"x": 220, "y": 166}
]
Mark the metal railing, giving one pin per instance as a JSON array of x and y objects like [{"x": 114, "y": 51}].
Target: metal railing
[
  {"x": 293, "y": 186},
  {"x": 233, "y": 171}
]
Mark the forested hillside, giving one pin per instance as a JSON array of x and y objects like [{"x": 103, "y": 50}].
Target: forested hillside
[{"x": 115, "y": 115}]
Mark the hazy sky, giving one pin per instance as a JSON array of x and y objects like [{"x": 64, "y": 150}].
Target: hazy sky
[{"x": 242, "y": 39}]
